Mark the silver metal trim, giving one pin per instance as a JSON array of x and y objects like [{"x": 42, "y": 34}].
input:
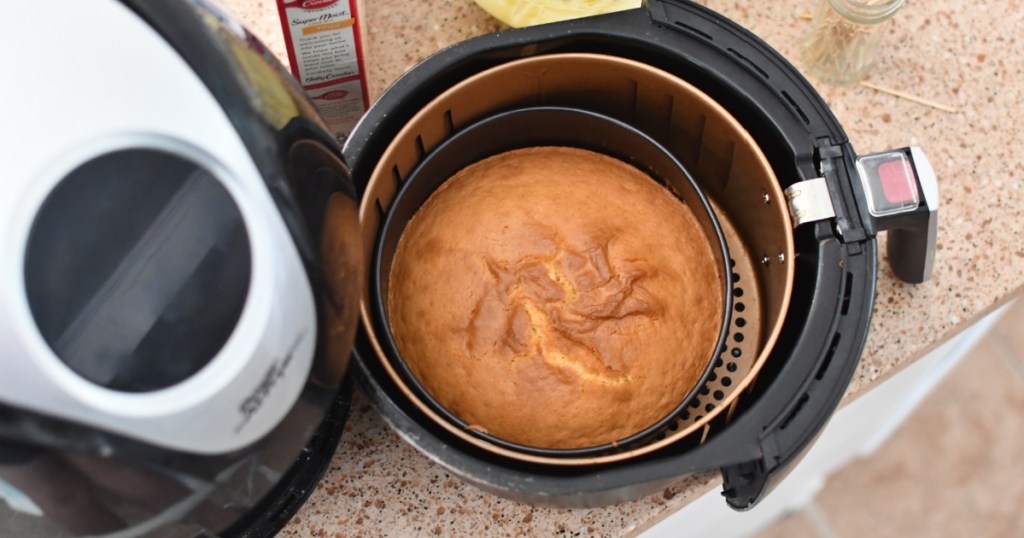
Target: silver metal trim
[
  {"x": 809, "y": 201},
  {"x": 926, "y": 177}
]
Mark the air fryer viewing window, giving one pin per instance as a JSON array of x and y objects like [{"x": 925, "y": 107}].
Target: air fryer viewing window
[{"x": 137, "y": 268}]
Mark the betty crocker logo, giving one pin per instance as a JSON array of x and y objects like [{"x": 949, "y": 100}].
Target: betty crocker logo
[
  {"x": 332, "y": 95},
  {"x": 317, "y": 4}
]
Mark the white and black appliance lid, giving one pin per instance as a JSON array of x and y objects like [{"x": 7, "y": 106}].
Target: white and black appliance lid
[
  {"x": 161, "y": 276},
  {"x": 164, "y": 305}
]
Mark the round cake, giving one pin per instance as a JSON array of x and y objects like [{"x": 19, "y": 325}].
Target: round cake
[{"x": 555, "y": 297}]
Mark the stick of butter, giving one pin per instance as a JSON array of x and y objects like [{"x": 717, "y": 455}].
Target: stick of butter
[{"x": 519, "y": 13}]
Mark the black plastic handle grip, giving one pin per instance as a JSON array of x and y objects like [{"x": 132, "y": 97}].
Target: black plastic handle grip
[{"x": 903, "y": 198}]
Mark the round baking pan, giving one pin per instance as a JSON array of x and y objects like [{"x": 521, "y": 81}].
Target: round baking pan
[
  {"x": 535, "y": 127},
  {"x": 716, "y": 149}
]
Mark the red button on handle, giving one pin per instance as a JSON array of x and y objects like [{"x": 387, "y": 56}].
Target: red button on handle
[
  {"x": 889, "y": 182},
  {"x": 898, "y": 184}
]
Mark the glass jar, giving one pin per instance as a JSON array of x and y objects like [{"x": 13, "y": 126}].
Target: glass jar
[{"x": 842, "y": 43}]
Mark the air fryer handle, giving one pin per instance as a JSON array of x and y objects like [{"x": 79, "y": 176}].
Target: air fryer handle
[
  {"x": 903, "y": 198},
  {"x": 911, "y": 249}
]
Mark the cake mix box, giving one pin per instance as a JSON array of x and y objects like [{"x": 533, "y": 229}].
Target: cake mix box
[{"x": 326, "y": 56}]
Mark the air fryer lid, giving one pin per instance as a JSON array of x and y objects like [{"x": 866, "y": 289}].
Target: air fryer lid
[{"x": 165, "y": 315}]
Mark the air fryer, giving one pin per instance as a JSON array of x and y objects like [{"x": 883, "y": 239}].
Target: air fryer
[
  {"x": 801, "y": 212},
  {"x": 268, "y": 193}
]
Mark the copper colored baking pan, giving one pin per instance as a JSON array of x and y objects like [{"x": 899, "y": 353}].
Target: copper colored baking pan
[{"x": 721, "y": 155}]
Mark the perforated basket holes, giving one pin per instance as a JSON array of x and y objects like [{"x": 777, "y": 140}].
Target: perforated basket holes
[{"x": 742, "y": 345}]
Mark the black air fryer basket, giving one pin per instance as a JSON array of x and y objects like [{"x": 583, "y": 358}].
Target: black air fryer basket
[{"x": 820, "y": 333}]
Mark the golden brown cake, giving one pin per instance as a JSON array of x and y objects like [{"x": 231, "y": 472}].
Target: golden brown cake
[{"x": 555, "y": 297}]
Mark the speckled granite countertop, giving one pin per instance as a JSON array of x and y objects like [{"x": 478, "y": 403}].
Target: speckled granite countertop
[{"x": 970, "y": 59}]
